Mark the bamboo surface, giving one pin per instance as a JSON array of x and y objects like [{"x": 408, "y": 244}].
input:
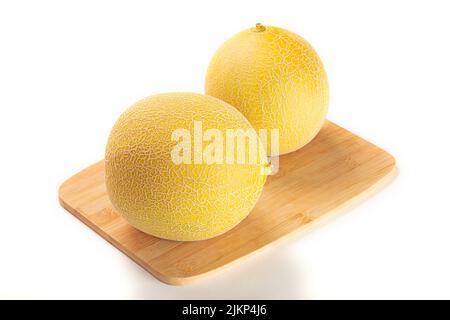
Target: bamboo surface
[{"x": 333, "y": 171}]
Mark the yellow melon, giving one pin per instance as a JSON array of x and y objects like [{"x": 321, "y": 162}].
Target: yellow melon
[
  {"x": 183, "y": 200},
  {"x": 276, "y": 79}
]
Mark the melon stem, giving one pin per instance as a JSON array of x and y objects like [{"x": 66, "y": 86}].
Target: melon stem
[
  {"x": 267, "y": 168},
  {"x": 259, "y": 27}
]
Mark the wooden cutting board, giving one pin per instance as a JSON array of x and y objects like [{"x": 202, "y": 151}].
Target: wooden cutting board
[{"x": 330, "y": 173}]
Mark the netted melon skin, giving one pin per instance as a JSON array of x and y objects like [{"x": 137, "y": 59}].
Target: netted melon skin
[
  {"x": 276, "y": 79},
  {"x": 185, "y": 202}
]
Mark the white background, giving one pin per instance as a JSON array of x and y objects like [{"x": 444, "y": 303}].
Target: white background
[{"x": 68, "y": 70}]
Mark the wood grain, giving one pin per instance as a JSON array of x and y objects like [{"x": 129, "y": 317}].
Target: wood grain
[{"x": 333, "y": 171}]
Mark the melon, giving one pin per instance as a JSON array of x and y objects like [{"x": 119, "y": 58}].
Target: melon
[
  {"x": 276, "y": 79},
  {"x": 187, "y": 198}
]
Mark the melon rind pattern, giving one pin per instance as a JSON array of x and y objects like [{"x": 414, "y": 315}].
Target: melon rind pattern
[
  {"x": 177, "y": 202},
  {"x": 276, "y": 79}
]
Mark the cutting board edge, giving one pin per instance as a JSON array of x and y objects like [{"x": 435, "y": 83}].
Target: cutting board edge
[
  {"x": 176, "y": 280},
  {"x": 113, "y": 242}
]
